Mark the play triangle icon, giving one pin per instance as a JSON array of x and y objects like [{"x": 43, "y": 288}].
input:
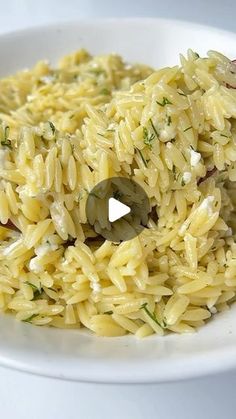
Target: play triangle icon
[{"x": 116, "y": 210}]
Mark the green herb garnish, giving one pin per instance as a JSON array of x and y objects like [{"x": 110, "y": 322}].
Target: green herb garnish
[
  {"x": 182, "y": 182},
  {"x": 174, "y": 169},
  {"x": 52, "y": 126},
  {"x": 223, "y": 135},
  {"x": 154, "y": 129},
  {"x": 141, "y": 155},
  {"x": 105, "y": 92},
  {"x": 32, "y": 285},
  {"x": 153, "y": 316},
  {"x": 169, "y": 120},
  {"x": 37, "y": 291},
  {"x": 165, "y": 101},
  {"x": 28, "y": 320},
  {"x": 186, "y": 129},
  {"x": 148, "y": 138},
  {"x": 97, "y": 71},
  {"x": 6, "y": 142}
]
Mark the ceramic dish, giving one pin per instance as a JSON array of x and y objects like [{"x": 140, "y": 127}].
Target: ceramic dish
[{"x": 77, "y": 355}]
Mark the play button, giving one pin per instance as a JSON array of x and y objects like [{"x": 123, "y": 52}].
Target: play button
[{"x": 117, "y": 209}]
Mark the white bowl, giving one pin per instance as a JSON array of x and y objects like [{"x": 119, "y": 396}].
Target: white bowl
[{"x": 77, "y": 355}]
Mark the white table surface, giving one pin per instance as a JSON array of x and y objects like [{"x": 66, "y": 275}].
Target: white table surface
[{"x": 24, "y": 396}]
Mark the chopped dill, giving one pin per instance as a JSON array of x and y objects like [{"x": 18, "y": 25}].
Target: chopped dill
[
  {"x": 154, "y": 129},
  {"x": 169, "y": 120},
  {"x": 37, "y": 290},
  {"x": 182, "y": 182},
  {"x": 153, "y": 316},
  {"x": 28, "y": 320},
  {"x": 97, "y": 71},
  {"x": 52, "y": 126},
  {"x": 32, "y": 285},
  {"x": 223, "y": 135},
  {"x": 141, "y": 155},
  {"x": 105, "y": 92},
  {"x": 165, "y": 101},
  {"x": 186, "y": 129},
  {"x": 148, "y": 138},
  {"x": 6, "y": 142}
]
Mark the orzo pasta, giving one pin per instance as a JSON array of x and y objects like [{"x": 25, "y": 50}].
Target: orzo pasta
[{"x": 173, "y": 131}]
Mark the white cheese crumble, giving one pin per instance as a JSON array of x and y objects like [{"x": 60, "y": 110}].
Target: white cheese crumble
[
  {"x": 35, "y": 265},
  {"x": 30, "y": 98},
  {"x": 26, "y": 190},
  {"x": 47, "y": 79},
  {"x": 43, "y": 249},
  {"x": 213, "y": 310},
  {"x": 195, "y": 158},
  {"x": 112, "y": 126},
  {"x": 65, "y": 263},
  {"x": 40, "y": 251},
  {"x": 167, "y": 133},
  {"x": 96, "y": 287},
  {"x": 187, "y": 176}
]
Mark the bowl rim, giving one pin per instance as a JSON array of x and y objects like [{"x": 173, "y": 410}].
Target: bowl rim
[{"x": 63, "y": 24}]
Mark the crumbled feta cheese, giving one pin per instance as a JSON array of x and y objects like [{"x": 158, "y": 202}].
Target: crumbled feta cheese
[
  {"x": 58, "y": 216},
  {"x": 194, "y": 158},
  {"x": 30, "y": 98},
  {"x": 47, "y": 79},
  {"x": 128, "y": 66},
  {"x": 187, "y": 177},
  {"x": 168, "y": 145},
  {"x": 27, "y": 190},
  {"x": 112, "y": 126},
  {"x": 213, "y": 310},
  {"x": 167, "y": 133},
  {"x": 96, "y": 286},
  {"x": 43, "y": 249},
  {"x": 65, "y": 263},
  {"x": 35, "y": 266}
]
